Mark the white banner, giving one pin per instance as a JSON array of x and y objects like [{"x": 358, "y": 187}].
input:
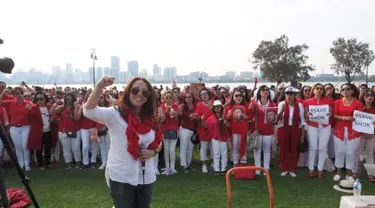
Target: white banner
[
  {"x": 363, "y": 122},
  {"x": 319, "y": 114}
]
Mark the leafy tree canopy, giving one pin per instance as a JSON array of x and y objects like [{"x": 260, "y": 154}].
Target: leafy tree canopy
[
  {"x": 280, "y": 62},
  {"x": 351, "y": 57}
]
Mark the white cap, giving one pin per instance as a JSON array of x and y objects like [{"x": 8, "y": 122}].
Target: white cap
[
  {"x": 217, "y": 102},
  {"x": 291, "y": 89}
]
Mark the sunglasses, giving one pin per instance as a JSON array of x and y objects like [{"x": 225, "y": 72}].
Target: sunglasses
[
  {"x": 237, "y": 95},
  {"x": 136, "y": 90},
  {"x": 204, "y": 93},
  {"x": 40, "y": 99},
  {"x": 345, "y": 89},
  {"x": 188, "y": 97},
  {"x": 328, "y": 88},
  {"x": 369, "y": 95},
  {"x": 168, "y": 98},
  {"x": 307, "y": 90},
  {"x": 319, "y": 88},
  {"x": 19, "y": 93}
]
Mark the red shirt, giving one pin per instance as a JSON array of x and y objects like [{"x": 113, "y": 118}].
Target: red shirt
[
  {"x": 201, "y": 110},
  {"x": 87, "y": 123},
  {"x": 67, "y": 124},
  {"x": 264, "y": 128},
  {"x": 19, "y": 115},
  {"x": 214, "y": 129},
  {"x": 237, "y": 126},
  {"x": 341, "y": 110},
  {"x": 99, "y": 126},
  {"x": 322, "y": 101},
  {"x": 186, "y": 121},
  {"x": 170, "y": 123}
]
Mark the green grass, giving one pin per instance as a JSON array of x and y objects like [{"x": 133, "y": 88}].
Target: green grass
[{"x": 61, "y": 188}]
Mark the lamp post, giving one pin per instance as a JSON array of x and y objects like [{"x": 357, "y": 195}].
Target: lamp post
[{"x": 94, "y": 58}]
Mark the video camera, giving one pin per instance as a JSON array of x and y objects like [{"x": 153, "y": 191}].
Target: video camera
[{"x": 6, "y": 63}]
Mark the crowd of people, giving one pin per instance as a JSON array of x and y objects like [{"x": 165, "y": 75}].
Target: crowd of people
[{"x": 137, "y": 129}]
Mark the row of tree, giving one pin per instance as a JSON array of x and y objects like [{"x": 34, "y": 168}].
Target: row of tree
[{"x": 280, "y": 62}]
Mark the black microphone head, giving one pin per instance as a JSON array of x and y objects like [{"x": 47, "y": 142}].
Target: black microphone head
[
  {"x": 6, "y": 65},
  {"x": 1, "y": 41}
]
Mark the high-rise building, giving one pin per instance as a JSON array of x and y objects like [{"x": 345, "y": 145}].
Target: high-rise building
[
  {"x": 170, "y": 73},
  {"x": 115, "y": 66},
  {"x": 107, "y": 71},
  {"x": 69, "y": 69},
  {"x": 133, "y": 68},
  {"x": 98, "y": 73},
  {"x": 143, "y": 73},
  {"x": 156, "y": 70}
]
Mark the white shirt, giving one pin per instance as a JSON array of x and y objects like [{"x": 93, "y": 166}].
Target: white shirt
[
  {"x": 45, "y": 117},
  {"x": 291, "y": 111},
  {"x": 122, "y": 166}
]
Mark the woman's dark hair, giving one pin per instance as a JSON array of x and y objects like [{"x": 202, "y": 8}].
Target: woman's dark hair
[
  {"x": 352, "y": 87},
  {"x": 106, "y": 103},
  {"x": 74, "y": 99},
  {"x": 46, "y": 99},
  {"x": 260, "y": 90},
  {"x": 158, "y": 99},
  {"x": 221, "y": 98},
  {"x": 186, "y": 108},
  {"x": 315, "y": 86},
  {"x": 334, "y": 94},
  {"x": 205, "y": 89},
  {"x": 149, "y": 108},
  {"x": 220, "y": 121},
  {"x": 15, "y": 89},
  {"x": 364, "y": 85},
  {"x": 231, "y": 102},
  {"x": 302, "y": 94},
  {"x": 363, "y": 99}
]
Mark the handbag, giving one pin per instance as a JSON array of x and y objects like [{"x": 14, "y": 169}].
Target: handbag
[
  {"x": 303, "y": 146},
  {"x": 252, "y": 139},
  {"x": 170, "y": 134},
  {"x": 194, "y": 138},
  {"x": 244, "y": 174},
  {"x": 102, "y": 132},
  {"x": 71, "y": 134}
]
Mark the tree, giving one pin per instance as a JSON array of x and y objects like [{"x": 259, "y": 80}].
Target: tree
[
  {"x": 280, "y": 62},
  {"x": 351, "y": 57}
]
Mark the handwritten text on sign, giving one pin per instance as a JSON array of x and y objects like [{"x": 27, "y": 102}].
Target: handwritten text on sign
[
  {"x": 319, "y": 114},
  {"x": 363, "y": 122}
]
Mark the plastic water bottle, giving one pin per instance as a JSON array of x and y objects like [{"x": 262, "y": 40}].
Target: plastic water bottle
[{"x": 357, "y": 189}]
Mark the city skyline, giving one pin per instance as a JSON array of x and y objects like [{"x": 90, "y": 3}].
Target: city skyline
[{"x": 211, "y": 36}]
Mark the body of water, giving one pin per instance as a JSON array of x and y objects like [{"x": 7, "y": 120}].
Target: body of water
[{"x": 181, "y": 85}]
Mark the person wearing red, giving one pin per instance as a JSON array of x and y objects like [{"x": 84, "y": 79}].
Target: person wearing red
[
  {"x": 4, "y": 122},
  {"x": 202, "y": 112},
  {"x": 237, "y": 114},
  {"x": 87, "y": 128},
  {"x": 104, "y": 140},
  {"x": 265, "y": 129},
  {"x": 170, "y": 126},
  {"x": 187, "y": 129},
  {"x": 69, "y": 134},
  {"x": 290, "y": 130},
  {"x": 346, "y": 139},
  {"x": 305, "y": 94},
  {"x": 367, "y": 144},
  {"x": 318, "y": 134},
  {"x": 219, "y": 131},
  {"x": 20, "y": 125}
]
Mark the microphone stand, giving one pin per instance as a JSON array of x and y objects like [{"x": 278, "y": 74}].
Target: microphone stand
[
  {"x": 143, "y": 163},
  {"x": 25, "y": 180}
]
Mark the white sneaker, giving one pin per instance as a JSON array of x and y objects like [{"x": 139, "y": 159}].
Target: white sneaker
[
  {"x": 293, "y": 174},
  {"x": 204, "y": 169},
  {"x": 102, "y": 167},
  {"x": 284, "y": 173},
  {"x": 337, "y": 177},
  {"x": 27, "y": 168},
  {"x": 166, "y": 172},
  {"x": 350, "y": 178},
  {"x": 157, "y": 172},
  {"x": 173, "y": 171},
  {"x": 257, "y": 172}
]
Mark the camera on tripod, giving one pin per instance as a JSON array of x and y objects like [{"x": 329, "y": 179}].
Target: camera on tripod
[{"x": 6, "y": 63}]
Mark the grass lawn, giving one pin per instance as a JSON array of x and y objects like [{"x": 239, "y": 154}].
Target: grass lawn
[{"x": 70, "y": 189}]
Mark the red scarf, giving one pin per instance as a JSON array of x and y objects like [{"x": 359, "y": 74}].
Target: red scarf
[
  {"x": 296, "y": 118},
  {"x": 135, "y": 127}
]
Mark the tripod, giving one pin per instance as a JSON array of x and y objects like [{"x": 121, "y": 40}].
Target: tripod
[{"x": 25, "y": 180}]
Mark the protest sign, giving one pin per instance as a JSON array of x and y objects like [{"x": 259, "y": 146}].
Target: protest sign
[
  {"x": 270, "y": 115},
  {"x": 319, "y": 114},
  {"x": 363, "y": 122}
]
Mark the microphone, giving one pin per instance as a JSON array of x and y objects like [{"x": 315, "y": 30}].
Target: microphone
[
  {"x": 143, "y": 162},
  {"x": 1, "y": 41}
]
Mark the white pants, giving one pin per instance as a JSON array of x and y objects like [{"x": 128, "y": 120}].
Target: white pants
[
  {"x": 186, "y": 146},
  {"x": 266, "y": 145},
  {"x": 20, "y": 137},
  {"x": 104, "y": 143},
  {"x": 55, "y": 152},
  {"x": 367, "y": 148},
  {"x": 236, "y": 150},
  {"x": 318, "y": 142},
  {"x": 88, "y": 145},
  {"x": 70, "y": 145},
  {"x": 170, "y": 152},
  {"x": 220, "y": 150},
  {"x": 204, "y": 147},
  {"x": 346, "y": 152},
  {"x": 331, "y": 147}
]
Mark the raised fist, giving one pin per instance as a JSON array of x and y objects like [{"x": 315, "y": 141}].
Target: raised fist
[{"x": 106, "y": 81}]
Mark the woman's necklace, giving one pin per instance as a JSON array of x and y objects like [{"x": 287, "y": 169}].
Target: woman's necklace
[
  {"x": 208, "y": 104},
  {"x": 347, "y": 102}
]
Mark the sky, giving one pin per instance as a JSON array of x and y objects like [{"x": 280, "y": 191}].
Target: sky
[{"x": 194, "y": 35}]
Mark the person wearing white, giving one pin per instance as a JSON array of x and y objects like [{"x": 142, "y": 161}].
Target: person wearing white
[{"x": 130, "y": 186}]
